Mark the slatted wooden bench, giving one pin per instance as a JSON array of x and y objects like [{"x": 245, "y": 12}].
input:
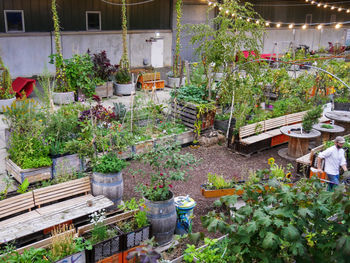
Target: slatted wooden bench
[
  {"x": 48, "y": 202},
  {"x": 265, "y": 134},
  {"x": 150, "y": 80}
]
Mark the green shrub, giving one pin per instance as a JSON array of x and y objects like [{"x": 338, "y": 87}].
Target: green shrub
[
  {"x": 123, "y": 76},
  {"x": 109, "y": 163}
]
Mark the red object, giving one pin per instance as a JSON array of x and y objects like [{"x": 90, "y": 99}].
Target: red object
[
  {"x": 20, "y": 85},
  {"x": 279, "y": 139},
  {"x": 252, "y": 54}
]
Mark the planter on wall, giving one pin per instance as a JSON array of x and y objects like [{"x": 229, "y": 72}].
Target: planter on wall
[
  {"x": 123, "y": 89},
  {"x": 61, "y": 98},
  {"x": 6, "y": 103},
  {"x": 105, "y": 90},
  {"x": 175, "y": 82}
]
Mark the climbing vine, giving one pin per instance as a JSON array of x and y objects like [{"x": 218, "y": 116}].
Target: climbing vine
[
  {"x": 177, "y": 64},
  {"x": 61, "y": 78},
  {"x": 124, "y": 61}
]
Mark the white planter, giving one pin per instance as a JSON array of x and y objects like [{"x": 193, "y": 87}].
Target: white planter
[
  {"x": 123, "y": 89},
  {"x": 63, "y": 97},
  {"x": 175, "y": 82},
  {"x": 6, "y": 102}
]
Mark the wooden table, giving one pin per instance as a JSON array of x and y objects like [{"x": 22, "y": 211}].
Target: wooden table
[
  {"x": 341, "y": 118},
  {"x": 298, "y": 144},
  {"x": 33, "y": 225},
  {"x": 327, "y": 134}
]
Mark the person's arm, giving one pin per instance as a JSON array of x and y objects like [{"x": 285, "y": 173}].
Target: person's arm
[
  {"x": 322, "y": 155},
  {"x": 319, "y": 163},
  {"x": 343, "y": 163}
]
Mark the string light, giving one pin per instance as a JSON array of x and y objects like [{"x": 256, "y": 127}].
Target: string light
[
  {"x": 304, "y": 27},
  {"x": 210, "y": 3},
  {"x": 248, "y": 20},
  {"x": 337, "y": 26},
  {"x": 348, "y": 11},
  {"x": 332, "y": 7},
  {"x": 267, "y": 24},
  {"x": 257, "y": 22},
  {"x": 220, "y": 8},
  {"x": 319, "y": 27},
  {"x": 312, "y": 2},
  {"x": 291, "y": 26},
  {"x": 325, "y": 6},
  {"x": 227, "y": 11},
  {"x": 319, "y": 4},
  {"x": 278, "y": 25},
  {"x": 233, "y": 14},
  {"x": 339, "y": 9}
]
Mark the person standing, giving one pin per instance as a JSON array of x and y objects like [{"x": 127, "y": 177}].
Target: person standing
[{"x": 334, "y": 157}]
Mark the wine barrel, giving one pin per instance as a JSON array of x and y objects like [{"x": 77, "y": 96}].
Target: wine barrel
[
  {"x": 162, "y": 215},
  {"x": 109, "y": 185}
]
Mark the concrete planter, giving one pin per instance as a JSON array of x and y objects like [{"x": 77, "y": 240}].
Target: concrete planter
[
  {"x": 6, "y": 103},
  {"x": 61, "y": 98},
  {"x": 175, "y": 82},
  {"x": 123, "y": 89}
]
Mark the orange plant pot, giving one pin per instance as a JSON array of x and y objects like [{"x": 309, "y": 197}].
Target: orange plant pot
[
  {"x": 126, "y": 253},
  {"x": 116, "y": 258},
  {"x": 220, "y": 192}
]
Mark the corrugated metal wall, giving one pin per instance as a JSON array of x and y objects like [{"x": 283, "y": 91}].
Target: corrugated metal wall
[{"x": 37, "y": 14}]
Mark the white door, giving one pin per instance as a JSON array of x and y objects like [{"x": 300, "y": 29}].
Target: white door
[{"x": 157, "y": 53}]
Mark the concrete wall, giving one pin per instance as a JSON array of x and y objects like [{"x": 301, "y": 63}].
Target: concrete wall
[
  {"x": 314, "y": 38},
  {"x": 27, "y": 54}
]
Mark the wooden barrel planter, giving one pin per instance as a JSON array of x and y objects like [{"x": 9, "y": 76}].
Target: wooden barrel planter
[
  {"x": 162, "y": 215},
  {"x": 109, "y": 185}
]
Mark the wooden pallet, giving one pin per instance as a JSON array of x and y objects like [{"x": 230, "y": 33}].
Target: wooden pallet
[{"x": 150, "y": 80}]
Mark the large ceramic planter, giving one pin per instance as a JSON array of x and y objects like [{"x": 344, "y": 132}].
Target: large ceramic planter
[
  {"x": 33, "y": 174},
  {"x": 175, "y": 82},
  {"x": 75, "y": 258},
  {"x": 61, "y": 98},
  {"x": 6, "y": 103},
  {"x": 105, "y": 90},
  {"x": 109, "y": 185},
  {"x": 162, "y": 215},
  {"x": 123, "y": 89}
]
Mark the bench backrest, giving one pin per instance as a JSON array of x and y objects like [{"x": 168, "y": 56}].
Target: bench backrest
[
  {"x": 275, "y": 123},
  {"x": 251, "y": 129},
  {"x": 16, "y": 204},
  {"x": 60, "y": 191},
  {"x": 295, "y": 117},
  {"x": 151, "y": 76}
]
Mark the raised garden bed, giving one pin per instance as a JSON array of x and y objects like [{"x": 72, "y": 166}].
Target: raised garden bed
[
  {"x": 66, "y": 164},
  {"x": 33, "y": 175},
  {"x": 219, "y": 192}
]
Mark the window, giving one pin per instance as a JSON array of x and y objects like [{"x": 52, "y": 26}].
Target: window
[
  {"x": 14, "y": 21},
  {"x": 93, "y": 20},
  {"x": 308, "y": 19}
]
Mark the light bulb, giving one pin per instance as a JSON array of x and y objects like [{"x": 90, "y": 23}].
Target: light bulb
[
  {"x": 220, "y": 8},
  {"x": 257, "y": 22},
  {"x": 210, "y": 3},
  {"x": 325, "y": 6},
  {"x": 319, "y": 27},
  {"x": 332, "y": 7},
  {"x": 248, "y": 20},
  {"x": 227, "y": 11},
  {"x": 278, "y": 25},
  {"x": 304, "y": 27},
  {"x": 319, "y": 4},
  {"x": 291, "y": 26},
  {"x": 214, "y": 4},
  {"x": 267, "y": 24},
  {"x": 233, "y": 15},
  {"x": 306, "y": 1},
  {"x": 339, "y": 9},
  {"x": 312, "y": 2},
  {"x": 348, "y": 11},
  {"x": 337, "y": 26}
]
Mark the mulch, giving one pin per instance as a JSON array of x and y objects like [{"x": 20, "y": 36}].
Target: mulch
[{"x": 215, "y": 159}]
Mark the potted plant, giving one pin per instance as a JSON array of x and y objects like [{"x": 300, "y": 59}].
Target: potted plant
[
  {"x": 62, "y": 93},
  {"x": 167, "y": 165},
  {"x": 174, "y": 75},
  {"x": 107, "y": 177},
  {"x": 103, "y": 72},
  {"x": 7, "y": 96},
  {"x": 123, "y": 84},
  {"x": 106, "y": 240},
  {"x": 80, "y": 75},
  {"x": 136, "y": 229}
]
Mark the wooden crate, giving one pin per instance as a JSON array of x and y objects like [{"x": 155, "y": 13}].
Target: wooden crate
[
  {"x": 187, "y": 113},
  {"x": 150, "y": 80},
  {"x": 33, "y": 175},
  {"x": 105, "y": 90}
]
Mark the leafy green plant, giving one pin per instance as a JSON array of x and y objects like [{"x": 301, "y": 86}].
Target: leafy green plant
[
  {"x": 217, "y": 182},
  {"x": 6, "y": 91},
  {"x": 23, "y": 187},
  {"x": 190, "y": 93},
  {"x": 80, "y": 74},
  {"x": 100, "y": 231},
  {"x": 311, "y": 117},
  {"x": 209, "y": 254},
  {"x": 7, "y": 181},
  {"x": 109, "y": 163},
  {"x": 167, "y": 164},
  {"x": 123, "y": 76},
  {"x": 37, "y": 255},
  {"x": 327, "y": 126},
  {"x": 140, "y": 218}
]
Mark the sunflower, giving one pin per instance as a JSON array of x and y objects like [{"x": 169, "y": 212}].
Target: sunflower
[{"x": 271, "y": 161}]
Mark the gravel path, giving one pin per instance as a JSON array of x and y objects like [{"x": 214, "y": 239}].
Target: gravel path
[{"x": 214, "y": 159}]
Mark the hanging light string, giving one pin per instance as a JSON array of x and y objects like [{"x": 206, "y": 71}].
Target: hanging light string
[
  {"x": 330, "y": 6},
  {"x": 138, "y": 3},
  {"x": 268, "y": 23}
]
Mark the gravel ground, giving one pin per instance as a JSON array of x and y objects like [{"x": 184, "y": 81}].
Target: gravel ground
[{"x": 214, "y": 159}]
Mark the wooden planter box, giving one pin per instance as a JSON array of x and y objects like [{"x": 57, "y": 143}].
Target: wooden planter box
[
  {"x": 79, "y": 257},
  {"x": 105, "y": 90},
  {"x": 220, "y": 192},
  {"x": 134, "y": 238},
  {"x": 187, "y": 113},
  {"x": 33, "y": 175},
  {"x": 67, "y": 164}
]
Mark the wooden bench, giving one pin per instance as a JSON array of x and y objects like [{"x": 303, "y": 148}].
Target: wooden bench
[
  {"x": 265, "y": 134},
  {"x": 150, "y": 80},
  {"x": 47, "y": 202}
]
